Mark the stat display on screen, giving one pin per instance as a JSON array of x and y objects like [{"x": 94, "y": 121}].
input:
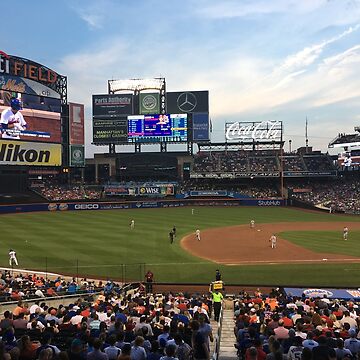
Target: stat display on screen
[{"x": 158, "y": 128}]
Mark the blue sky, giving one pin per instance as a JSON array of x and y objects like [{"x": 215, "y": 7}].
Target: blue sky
[{"x": 259, "y": 59}]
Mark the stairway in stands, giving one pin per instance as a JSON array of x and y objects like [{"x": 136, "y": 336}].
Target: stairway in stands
[{"x": 227, "y": 340}]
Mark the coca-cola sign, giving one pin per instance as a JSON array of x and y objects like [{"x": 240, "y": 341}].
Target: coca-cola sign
[{"x": 269, "y": 130}]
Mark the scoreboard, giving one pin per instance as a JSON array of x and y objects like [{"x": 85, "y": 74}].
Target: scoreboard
[{"x": 158, "y": 128}]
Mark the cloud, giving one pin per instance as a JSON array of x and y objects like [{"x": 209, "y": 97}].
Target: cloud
[
  {"x": 309, "y": 54},
  {"x": 233, "y": 9},
  {"x": 94, "y": 13}
]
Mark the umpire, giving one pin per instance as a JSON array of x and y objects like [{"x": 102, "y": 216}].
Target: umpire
[{"x": 217, "y": 298}]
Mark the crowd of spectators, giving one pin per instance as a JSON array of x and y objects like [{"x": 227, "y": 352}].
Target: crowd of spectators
[
  {"x": 282, "y": 326},
  {"x": 234, "y": 161},
  {"x": 69, "y": 192},
  {"x": 259, "y": 162},
  {"x": 267, "y": 190},
  {"x": 341, "y": 195},
  {"x": 293, "y": 163},
  {"x": 136, "y": 326},
  {"x": 28, "y": 286},
  {"x": 318, "y": 163}
]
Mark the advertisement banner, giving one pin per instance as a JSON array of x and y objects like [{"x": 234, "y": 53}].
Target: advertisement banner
[
  {"x": 209, "y": 193},
  {"x": 77, "y": 155},
  {"x": 29, "y": 153},
  {"x": 310, "y": 173},
  {"x": 112, "y": 105},
  {"x": 29, "y": 72},
  {"x": 187, "y": 102},
  {"x": 76, "y": 124},
  {"x": 158, "y": 190},
  {"x": 23, "y": 85},
  {"x": 149, "y": 103},
  {"x": 324, "y": 292},
  {"x": 234, "y": 175},
  {"x": 110, "y": 131},
  {"x": 200, "y": 123},
  {"x": 251, "y": 131}
]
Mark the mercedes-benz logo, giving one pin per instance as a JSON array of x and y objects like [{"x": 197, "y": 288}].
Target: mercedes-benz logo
[{"x": 186, "y": 102}]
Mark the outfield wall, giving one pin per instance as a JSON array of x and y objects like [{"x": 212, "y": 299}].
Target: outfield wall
[{"x": 98, "y": 205}]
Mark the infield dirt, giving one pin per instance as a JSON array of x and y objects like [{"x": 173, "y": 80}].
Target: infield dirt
[{"x": 236, "y": 245}]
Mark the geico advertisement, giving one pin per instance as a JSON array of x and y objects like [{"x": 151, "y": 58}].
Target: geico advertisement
[{"x": 27, "y": 153}]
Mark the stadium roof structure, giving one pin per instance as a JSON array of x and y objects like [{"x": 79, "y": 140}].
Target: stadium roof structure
[{"x": 345, "y": 140}]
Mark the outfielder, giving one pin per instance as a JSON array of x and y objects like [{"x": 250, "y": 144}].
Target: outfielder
[
  {"x": 272, "y": 241},
  {"x": 132, "y": 224},
  {"x": 345, "y": 233},
  {"x": 12, "y": 257},
  {"x": 12, "y": 121}
]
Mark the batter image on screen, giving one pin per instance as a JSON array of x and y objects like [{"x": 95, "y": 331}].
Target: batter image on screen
[
  {"x": 30, "y": 117},
  {"x": 12, "y": 121}
]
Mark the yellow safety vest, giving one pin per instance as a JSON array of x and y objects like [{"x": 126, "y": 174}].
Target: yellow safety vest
[{"x": 217, "y": 297}]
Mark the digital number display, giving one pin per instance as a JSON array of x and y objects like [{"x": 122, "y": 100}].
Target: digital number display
[{"x": 158, "y": 128}]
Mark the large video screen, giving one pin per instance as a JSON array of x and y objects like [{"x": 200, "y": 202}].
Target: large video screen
[
  {"x": 42, "y": 119},
  {"x": 158, "y": 128}
]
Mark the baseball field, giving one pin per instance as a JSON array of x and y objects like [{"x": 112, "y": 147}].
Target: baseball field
[{"x": 310, "y": 248}]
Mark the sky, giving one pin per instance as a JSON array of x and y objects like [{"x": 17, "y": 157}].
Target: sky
[{"x": 260, "y": 60}]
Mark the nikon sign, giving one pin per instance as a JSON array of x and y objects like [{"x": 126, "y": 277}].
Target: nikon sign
[{"x": 27, "y": 153}]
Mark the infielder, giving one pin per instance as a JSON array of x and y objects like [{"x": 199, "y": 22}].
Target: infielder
[
  {"x": 12, "y": 121},
  {"x": 12, "y": 257},
  {"x": 345, "y": 233},
  {"x": 197, "y": 234},
  {"x": 252, "y": 224},
  {"x": 272, "y": 241}
]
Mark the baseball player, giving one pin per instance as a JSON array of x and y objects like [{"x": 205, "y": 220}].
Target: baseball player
[
  {"x": 252, "y": 224},
  {"x": 12, "y": 121},
  {"x": 345, "y": 233},
  {"x": 171, "y": 236},
  {"x": 132, "y": 224},
  {"x": 197, "y": 234},
  {"x": 12, "y": 257},
  {"x": 272, "y": 241}
]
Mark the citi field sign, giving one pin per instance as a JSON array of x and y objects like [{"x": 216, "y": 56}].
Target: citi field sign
[
  {"x": 269, "y": 130},
  {"x": 13, "y": 68}
]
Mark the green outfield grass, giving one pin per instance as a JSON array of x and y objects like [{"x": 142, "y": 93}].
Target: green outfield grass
[{"x": 99, "y": 242}]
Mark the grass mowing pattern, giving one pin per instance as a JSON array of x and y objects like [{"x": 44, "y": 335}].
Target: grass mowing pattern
[
  {"x": 331, "y": 242},
  {"x": 100, "y": 241}
]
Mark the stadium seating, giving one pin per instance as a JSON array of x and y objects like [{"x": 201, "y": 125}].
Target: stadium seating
[{"x": 285, "y": 327}]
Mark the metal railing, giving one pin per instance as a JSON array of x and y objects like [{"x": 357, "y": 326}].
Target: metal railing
[{"x": 217, "y": 339}]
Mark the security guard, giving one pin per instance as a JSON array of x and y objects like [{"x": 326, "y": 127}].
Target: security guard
[{"x": 217, "y": 298}]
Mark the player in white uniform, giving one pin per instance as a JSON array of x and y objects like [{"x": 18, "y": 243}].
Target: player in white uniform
[
  {"x": 132, "y": 224},
  {"x": 197, "y": 234},
  {"x": 273, "y": 241},
  {"x": 345, "y": 233},
  {"x": 12, "y": 121},
  {"x": 252, "y": 224},
  {"x": 12, "y": 257}
]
